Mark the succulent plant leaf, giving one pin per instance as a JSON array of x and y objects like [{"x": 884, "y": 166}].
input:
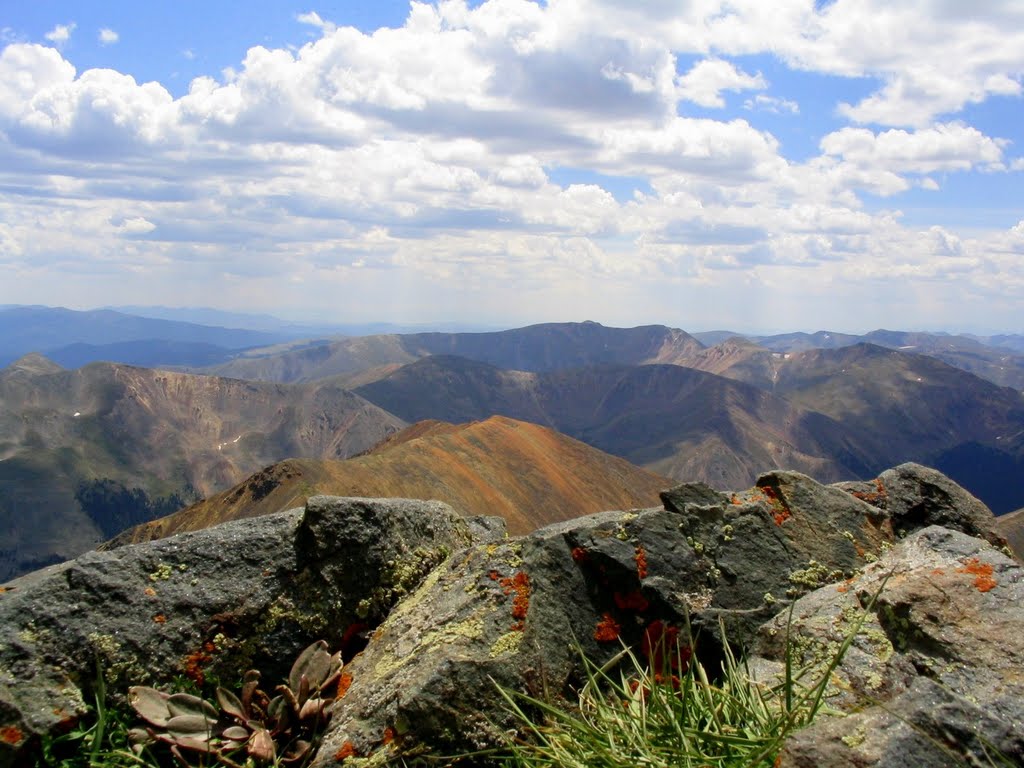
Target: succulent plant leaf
[
  {"x": 250, "y": 682},
  {"x": 297, "y": 752},
  {"x": 150, "y": 704},
  {"x": 230, "y": 703},
  {"x": 190, "y": 726},
  {"x": 289, "y": 696},
  {"x": 302, "y": 663},
  {"x": 237, "y": 733},
  {"x": 261, "y": 745},
  {"x": 311, "y": 708},
  {"x": 187, "y": 742},
  {"x": 187, "y": 704}
]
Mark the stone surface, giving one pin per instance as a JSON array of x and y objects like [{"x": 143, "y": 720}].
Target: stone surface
[
  {"x": 209, "y": 604},
  {"x": 937, "y": 666},
  {"x": 432, "y": 612},
  {"x": 518, "y": 614},
  {"x": 914, "y": 497}
]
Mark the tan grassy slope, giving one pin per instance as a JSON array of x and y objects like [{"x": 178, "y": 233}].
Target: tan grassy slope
[{"x": 528, "y": 474}]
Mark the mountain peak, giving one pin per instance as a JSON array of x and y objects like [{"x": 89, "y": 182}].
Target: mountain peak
[{"x": 35, "y": 364}]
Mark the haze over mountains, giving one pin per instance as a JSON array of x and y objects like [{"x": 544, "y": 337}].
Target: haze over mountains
[{"x": 147, "y": 441}]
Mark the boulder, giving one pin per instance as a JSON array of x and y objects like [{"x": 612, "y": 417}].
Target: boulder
[
  {"x": 914, "y": 497},
  {"x": 519, "y": 614},
  {"x": 209, "y": 605},
  {"x": 933, "y": 676}
]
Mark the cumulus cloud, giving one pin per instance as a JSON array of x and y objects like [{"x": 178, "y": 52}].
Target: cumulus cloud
[
  {"x": 108, "y": 36},
  {"x": 704, "y": 83},
  {"x": 944, "y": 147},
  {"x": 428, "y": 152},
  {"x": 60, "y": 34}
]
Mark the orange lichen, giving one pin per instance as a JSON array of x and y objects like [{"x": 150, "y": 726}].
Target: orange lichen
[
  {"x": 493, "y": 575},
  {"x": 11, "y": 735},
  {"x": 160, "y": 619},
  {"x": 641, "y": 562},
  {"x": 192, "y": 665},
  {"x": 982, "y": 573},
  {"x": 780, "y": 512},
  {"x": 149, "y": 592},
  {"x": 389, "y": 736},
  {"x": 661, "y": 643},
  {"x": 633, "y": 601},
  {"x": 735, "y": 500},
  {"x": 344, "y": 683},
  {"x": 872, "y": 497},
  {"x": 519, "y": 587},
  {"x": 579, "y": 554},
  {"x": 348, "y": 749},
  {"x": 607, "y": 629}
]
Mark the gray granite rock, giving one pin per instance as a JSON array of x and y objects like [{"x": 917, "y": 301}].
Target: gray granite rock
[{"x": 208, "y": 604}]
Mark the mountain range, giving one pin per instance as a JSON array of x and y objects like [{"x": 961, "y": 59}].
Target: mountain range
[{"x": 88, "y": 452}]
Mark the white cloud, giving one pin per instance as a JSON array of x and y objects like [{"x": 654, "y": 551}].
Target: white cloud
[
  {"x": 704, "y": 83},
  {"x": 943, "y": 147},
  {"x": 312, "y": 18},
  {"x": 423, "y": 156},
  {"x": 108, "y": 36},
  {"x": 136, "y": 225},
  {"x": 60, "y": 34},
  {"x": 764, "y": 103}
]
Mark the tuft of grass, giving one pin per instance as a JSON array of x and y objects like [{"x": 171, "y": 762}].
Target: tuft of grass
[{"x": 663, "y": 709}]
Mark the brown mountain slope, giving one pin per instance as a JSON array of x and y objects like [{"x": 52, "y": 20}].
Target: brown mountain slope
[
  {"x": 85, "y": 453},
  {"x": 527, "y": 474},
  {"x": 544, "y": 347}
]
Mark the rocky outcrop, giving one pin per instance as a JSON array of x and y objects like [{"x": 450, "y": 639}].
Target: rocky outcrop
[
  {"x": 432, "y": 611},
  {"x": 211, "y": 604},
  {"x": 914, "y": 497},
  {"x": 934, "y": 675}
]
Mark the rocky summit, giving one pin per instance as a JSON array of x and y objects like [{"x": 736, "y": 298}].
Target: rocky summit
[{"x": 431, "y": 611}]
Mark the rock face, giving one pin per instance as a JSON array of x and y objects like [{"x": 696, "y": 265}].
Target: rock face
[{"x": 431, "y": 611}]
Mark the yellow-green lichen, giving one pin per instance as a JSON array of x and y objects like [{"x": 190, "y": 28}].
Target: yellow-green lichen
[
  {"x": 162, "y": 573},
  {"x": 856, "y": 737},
  {"x": 507, "y": 643},
  {"x": 812, "y": 577}
]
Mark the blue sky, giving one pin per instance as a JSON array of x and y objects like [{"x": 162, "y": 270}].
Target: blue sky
[{"x": 761, "y": 167}]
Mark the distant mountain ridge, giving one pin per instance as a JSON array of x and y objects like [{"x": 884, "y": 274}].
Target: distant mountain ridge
[
  {"x": 676, "y": 421},
  {"x": 544, "y": 347},
  {"x": 144, "y": 441},
  {"x": 42, "y": 329}
]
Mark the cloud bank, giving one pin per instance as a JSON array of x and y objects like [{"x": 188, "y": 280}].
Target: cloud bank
[{"x": 418, "y": 173}]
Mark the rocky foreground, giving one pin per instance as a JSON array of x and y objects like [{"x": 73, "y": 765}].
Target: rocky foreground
[{"x": 431, "y": 610}]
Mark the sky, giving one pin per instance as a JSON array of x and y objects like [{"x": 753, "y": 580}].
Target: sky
[{"x": 704, "y": 164}]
